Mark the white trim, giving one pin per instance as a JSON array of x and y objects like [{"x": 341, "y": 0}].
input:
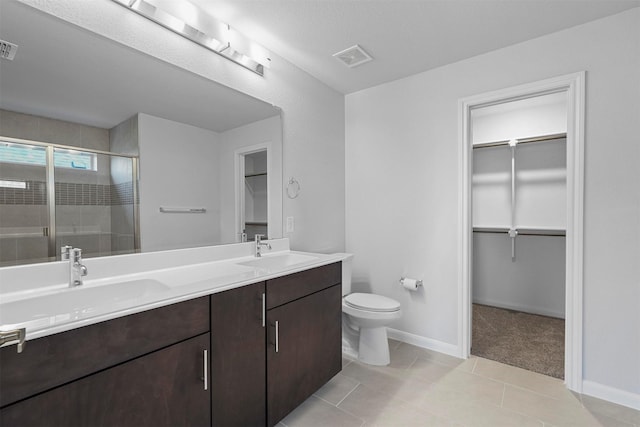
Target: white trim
[
  {"x": 520, "y": 307},
  {"x": 428, "y": 343},
  {"x": 574, "y": 85},
  {"x": 615, "y": 395},
  {"x": 239, "y": 187}
]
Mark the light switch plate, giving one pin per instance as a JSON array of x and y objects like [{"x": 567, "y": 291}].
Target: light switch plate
[{"x": 290, "y": 224}]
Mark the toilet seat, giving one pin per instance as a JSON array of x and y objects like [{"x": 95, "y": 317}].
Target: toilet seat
[{"x": 372, "y": 302}]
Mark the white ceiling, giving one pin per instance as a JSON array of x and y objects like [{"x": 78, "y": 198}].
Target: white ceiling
[
  {"x": 404, "y": 36},
  {"x": 99, "y": 82}
]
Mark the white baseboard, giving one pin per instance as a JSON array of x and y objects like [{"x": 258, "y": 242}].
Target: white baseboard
[
  {"x": 519, "y": 307},
  {"x": 428, "y": 343},
  {"x": 614, "y": 395}
]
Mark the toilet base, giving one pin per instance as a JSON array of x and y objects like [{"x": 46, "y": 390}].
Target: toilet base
[{"x": 374, "y": 346}]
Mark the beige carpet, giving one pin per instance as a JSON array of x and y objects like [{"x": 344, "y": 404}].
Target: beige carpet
[{"x": 528, "y": 341}]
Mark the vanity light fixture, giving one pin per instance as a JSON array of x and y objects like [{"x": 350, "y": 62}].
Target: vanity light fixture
[{"x": 192, "y": 23}]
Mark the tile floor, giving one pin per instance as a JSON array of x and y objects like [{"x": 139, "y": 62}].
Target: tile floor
[{"x": 425, "y": 388}]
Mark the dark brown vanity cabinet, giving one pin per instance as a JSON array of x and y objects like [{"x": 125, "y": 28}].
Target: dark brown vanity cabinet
[
  {"x": 305, "y": 351},
  {"x": 304, "y": 348},
  {"x": 256, "y": 382},
  {"x": 243, "y": 357},
  {"x": 146, "y": 369},
  {"x": 238, "y": 369}
]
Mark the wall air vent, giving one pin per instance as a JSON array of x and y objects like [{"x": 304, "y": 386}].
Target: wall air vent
[
  {"x": 353, "y": 56},
  {"x": 8, "y": 50}
]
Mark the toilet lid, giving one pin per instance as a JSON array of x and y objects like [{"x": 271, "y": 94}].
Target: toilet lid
[{"x": 372, "y": 302}]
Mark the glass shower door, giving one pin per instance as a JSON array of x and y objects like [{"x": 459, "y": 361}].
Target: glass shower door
[
  {"x": 24, "y": 215},
  {"x": 94, "y": 202},
  {"x": 52, "y": 196}
]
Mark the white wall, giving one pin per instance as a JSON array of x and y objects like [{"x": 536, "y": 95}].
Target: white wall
[
  {"x": 178, "y": 168},
  {"x": 534, "y": 283},
  {"x": 541, "y": 115},
  {"x": 267, "y": 131},
  {"x": 313, "y": 114},
  {"x": 402, "y": 181}
]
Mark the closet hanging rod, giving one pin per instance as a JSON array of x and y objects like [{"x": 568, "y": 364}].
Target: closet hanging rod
[
  {"x": 542, "y": 138},
  {"x": 522, "y": 231}
]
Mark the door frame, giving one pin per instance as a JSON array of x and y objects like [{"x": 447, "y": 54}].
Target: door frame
[
  {"x": 574, "y": 85},
  {"x": 239, "y": 155}
]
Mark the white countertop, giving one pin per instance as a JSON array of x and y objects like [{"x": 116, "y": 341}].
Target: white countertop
[{"x": 53, "y": 308}]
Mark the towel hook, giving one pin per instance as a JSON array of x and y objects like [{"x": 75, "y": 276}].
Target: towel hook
[{"x": 293, "y": 188}]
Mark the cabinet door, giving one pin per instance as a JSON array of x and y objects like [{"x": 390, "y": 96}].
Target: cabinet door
[
  {"x": 308, "y": 353},
  {"x": 238, "y": 368},
  {"x": 164, "y": 388},
  {"x": 54, "y": 360}
]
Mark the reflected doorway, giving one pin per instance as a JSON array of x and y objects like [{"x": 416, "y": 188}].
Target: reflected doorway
[{"x": 254, "y": 195}]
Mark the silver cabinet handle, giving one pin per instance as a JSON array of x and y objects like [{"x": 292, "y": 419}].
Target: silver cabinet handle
[
  {"x": 15, "y": 336},
  {"x": 264, "y": 309},
  {"x": 277, "y": 338},
  {"x": 206, "y": 369}
]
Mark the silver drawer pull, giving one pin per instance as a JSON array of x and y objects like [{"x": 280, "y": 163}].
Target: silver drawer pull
[
  {"x": 277, "y": 338},
  {"x": 15, "y": 336},
  {"x": 264, "y": 309},
  {"x": 206, "y": 369}
]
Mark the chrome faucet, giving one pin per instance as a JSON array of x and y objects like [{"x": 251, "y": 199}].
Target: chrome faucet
[
  {"x": 260, "y": 244},
  {"x": 65, "y": 252},
  {"x": 77, "y": 270}
]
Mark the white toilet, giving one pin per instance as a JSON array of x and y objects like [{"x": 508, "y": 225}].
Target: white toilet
[{"x": 367, "y": 315}]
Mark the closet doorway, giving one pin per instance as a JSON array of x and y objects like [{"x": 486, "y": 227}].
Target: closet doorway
[
  {"x": 519, "y": 227},
  {"x": 572, "y": 87}
]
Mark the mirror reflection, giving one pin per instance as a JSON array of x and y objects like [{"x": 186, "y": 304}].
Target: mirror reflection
[{"x": 108, "y": 149}]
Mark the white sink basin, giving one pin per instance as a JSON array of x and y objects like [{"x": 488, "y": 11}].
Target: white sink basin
[
  {"x": 77, "y": 302},
  {"x": 274, "y": 263},
  {"x": 211, "y": 272}
]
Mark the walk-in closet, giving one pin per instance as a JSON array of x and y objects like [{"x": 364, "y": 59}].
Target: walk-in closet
[{"x": 519, "y": 210}]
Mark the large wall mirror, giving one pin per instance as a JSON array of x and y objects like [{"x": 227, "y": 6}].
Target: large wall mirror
[{"x": 111, "y": 150}]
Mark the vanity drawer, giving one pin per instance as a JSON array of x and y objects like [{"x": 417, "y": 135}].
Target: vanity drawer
[
  {"x": 288, "y": 288},
  {"x": 53, "y": 360}
]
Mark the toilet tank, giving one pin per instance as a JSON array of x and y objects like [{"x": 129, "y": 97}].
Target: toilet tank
[{"x": 346, "y": 273}]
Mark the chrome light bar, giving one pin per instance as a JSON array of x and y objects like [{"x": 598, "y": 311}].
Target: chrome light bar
[{"x": 203, "y": 29}]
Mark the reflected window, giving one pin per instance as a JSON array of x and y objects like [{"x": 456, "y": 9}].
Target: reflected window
[{"x": 37, "y": 156}]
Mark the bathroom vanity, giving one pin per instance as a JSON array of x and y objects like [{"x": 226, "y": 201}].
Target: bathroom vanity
[
  {"x": 294, "y": 323},
  {"x": 242, "y": 352}
]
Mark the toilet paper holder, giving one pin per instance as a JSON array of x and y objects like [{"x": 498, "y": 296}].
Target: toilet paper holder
[{"x": 418, "y": 282}]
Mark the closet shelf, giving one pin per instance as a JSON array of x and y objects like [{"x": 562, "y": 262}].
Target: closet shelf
[
  {"x": 256, "y": 223},
  {"x": 251, "y": 175},
  {"x": 542, "y": 138},
  {"x": 523, "y": 231}
]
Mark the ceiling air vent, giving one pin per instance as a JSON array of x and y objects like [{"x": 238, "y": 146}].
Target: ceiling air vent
[
  {"x": 353, "y": 56},
  {"x": 8, "y": 50}
]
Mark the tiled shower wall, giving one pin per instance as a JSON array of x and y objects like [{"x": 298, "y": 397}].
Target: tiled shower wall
[
  {"x": 69, "y": 194},
  {"x": 84, "y": 199}
]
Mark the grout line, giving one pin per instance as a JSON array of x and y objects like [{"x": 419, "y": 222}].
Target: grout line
[
  {"x": 504, "y": 391},
  {"x": 347, "y": 395},
  {"x": 475, "y": 364},
  {"x": 557, "y": 399},
  {"x": 324, "y": 400},
  {"x": 340, "y": 409},
  {"x": 412, "y": 363}
]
